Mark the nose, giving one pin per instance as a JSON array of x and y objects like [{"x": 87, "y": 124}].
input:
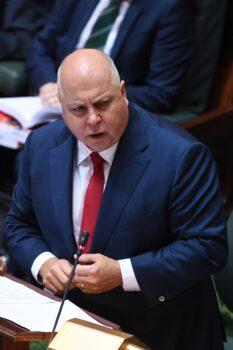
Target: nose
[{"x": 93, "y": 118}]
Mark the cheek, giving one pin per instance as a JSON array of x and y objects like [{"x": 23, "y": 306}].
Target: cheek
[
  {"x": 117, "y": 126},
  {"x": 75, "y": 125},
  {"x": 114, "y": 131}
]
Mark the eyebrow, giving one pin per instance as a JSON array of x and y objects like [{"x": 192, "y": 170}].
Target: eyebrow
[
  {"x": 102, "y": 97},
  {"x": 97, "y": 100}
]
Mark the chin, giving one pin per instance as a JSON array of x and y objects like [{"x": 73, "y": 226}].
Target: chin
[{"x": 99, "y": 145}]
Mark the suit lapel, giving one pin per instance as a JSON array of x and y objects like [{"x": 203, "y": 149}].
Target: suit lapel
[
  {"x": 133, "y": 12},
  {"x": 61, "y": 160},
  {"x": 127, "y": 169}
]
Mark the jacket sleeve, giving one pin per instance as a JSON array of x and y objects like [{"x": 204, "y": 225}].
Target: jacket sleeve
[
  {"x": 198, "y": 243},
  {"x": 22, "y": 232}
]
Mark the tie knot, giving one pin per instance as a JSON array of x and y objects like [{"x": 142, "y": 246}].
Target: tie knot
[{"x": 97, "y": 160}]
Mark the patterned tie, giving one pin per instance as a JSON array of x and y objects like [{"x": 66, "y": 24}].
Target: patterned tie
[
  {"x": 103, "y": 26},
  {"x": 93, "y": 198}
]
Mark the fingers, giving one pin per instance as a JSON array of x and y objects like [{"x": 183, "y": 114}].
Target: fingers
[
  {"x": 89, "y": 258},
  {"x": 48, "y": 95},
  {"x": 55, "y": 274},
  {"x": 84, "y": 277},
  {"x": 97, "y": 273},
  {"x": 54, "y": 284}
]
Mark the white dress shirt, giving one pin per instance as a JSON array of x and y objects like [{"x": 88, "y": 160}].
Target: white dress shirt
[
  {"x": 124, "y": 6},
  {"x": 82, "y": 172}
]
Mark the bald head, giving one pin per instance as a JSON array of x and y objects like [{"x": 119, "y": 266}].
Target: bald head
[{"x": 83, "y": 66}]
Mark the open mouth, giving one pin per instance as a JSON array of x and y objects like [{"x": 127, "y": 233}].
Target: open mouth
[{"x": 97, "y": 136}]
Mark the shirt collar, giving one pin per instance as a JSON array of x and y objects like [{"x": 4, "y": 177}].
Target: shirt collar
[{"x": 83, "y": 152}]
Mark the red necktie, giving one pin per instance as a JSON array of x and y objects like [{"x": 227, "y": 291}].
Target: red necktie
[{"x": 92, "y": 200}]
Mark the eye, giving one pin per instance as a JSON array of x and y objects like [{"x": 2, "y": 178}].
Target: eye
[
  {"x": 102, "y": 104},
  {"x": 79, "y": 110}
]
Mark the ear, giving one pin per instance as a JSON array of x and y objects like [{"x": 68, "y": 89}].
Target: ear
[
  {"x": 59, "y": 96},
  {"x": 123, "y": 88},
  {"x": 123, "y": 91}
]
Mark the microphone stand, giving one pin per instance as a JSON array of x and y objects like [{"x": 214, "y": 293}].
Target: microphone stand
[{"x": 81, "y": 245}]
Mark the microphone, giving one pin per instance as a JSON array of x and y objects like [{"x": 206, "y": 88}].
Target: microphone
[{"x": 81, "y": 245}]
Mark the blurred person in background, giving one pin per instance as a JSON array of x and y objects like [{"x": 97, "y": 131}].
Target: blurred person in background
[
  {"x": 150, "y": 42},
  {"x": 19, "y": 22}
]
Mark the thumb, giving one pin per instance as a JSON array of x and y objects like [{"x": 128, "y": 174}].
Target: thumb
[{"x": 87, "y": 259}]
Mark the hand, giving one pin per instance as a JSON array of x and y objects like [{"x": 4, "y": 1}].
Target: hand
[
  {"x": 48, "y": 95},
  {"x": 55, "y": 274},
  {"x": 2, "y": 266},
  {"x": 100, "y": 275}
]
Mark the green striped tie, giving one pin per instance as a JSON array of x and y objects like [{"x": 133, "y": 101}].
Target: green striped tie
[{"x": 103, "y": 26}]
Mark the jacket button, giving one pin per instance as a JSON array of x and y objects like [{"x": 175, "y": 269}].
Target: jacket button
[{"x": 162, "y": 298}]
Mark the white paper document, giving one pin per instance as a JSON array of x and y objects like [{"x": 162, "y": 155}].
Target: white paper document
[
  {"x": 32, "y": 310},
  {"x": 12, "y": 292},
  {"x": 28, "y": 110}
]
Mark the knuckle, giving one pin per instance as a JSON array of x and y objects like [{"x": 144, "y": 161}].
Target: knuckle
[
  {"x": 94, "y": 270},
  {"x": 53, "y": 269}
]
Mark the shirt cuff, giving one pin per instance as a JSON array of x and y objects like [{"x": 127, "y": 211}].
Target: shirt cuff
[
  {"x": 38, "y": 262},
  {"x": 130, "y": 283}
]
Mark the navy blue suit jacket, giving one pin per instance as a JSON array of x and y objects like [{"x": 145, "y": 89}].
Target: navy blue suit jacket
[
  {"x": 151, "y": 50},
  {"x": 19, "y": 22},
  {"x": 161, "y": 208}
]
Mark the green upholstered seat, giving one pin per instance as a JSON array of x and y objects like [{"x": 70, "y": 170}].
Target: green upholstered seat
[
  {"x": 38, "y": 345},
  {"x": 198, "y": 80},
  {"x": 13, "y": 80}
]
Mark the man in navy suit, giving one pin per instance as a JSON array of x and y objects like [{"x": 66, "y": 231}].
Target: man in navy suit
[
  {"x": 19, "y": 22},
  {"x": 160, "y": 231},
  {"x": 150, "y": 42}
]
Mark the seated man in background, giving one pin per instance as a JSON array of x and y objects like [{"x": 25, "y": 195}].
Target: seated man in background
[
  {"x": 148, "y": 194},
  {"x": 150, "y": 42},
  {"x": 19, "y": 22}
]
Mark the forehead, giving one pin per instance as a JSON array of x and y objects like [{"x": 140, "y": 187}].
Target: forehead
[
  {"x": 84, "y": 90},
  {"x": 86, "y": 76}
]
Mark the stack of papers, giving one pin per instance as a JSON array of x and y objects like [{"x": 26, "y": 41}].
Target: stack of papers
[
  {"x": 19, "y": 114},
  {"x": 34, "y": 311},
  {"x": 28, "y": 111}
]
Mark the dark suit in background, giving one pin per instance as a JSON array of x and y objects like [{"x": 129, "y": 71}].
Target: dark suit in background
[
  {"x": 19, "y": 22},
  {"x": 151, "y": 51},
  {"x": 161, "y": 207}
]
